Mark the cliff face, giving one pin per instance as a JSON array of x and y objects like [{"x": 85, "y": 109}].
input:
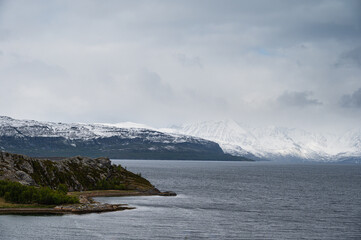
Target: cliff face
[{"x": 77, "y": 173}]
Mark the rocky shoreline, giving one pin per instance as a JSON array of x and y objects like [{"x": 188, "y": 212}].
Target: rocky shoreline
[
  {"x": 92, "y": 208},
  {"x": 79, "y": 176},
  {"x": 87, "y": 203},
  {"x": 73, "y": 209}
]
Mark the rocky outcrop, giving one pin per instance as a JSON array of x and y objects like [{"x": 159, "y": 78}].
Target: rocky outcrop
[
  {"x": 77, "y": 173},
  {"x": 168, "y": 193},
  {"x": 91, "y": 208}
]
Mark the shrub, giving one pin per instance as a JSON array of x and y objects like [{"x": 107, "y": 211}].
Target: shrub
[
  {"x": 18, "y": 193},
  {"x": 63, "y": 188}
]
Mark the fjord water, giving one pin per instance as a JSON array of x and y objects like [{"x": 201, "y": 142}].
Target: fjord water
[{"x": 218, "y": 200}]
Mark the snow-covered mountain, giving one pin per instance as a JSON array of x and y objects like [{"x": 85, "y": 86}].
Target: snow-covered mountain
[
  {"x": 276, "y": 143},
  {"x": 228, "y": 134},
  {"x": 31, "y": 128},
  {"x": 202, "y": 140},
  {"x": 124, "y": 140}
]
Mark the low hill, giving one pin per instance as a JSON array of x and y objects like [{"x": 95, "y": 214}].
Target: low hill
[{"x": 76, "y": 173}]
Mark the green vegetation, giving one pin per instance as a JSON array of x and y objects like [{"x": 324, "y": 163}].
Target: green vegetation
[
  {"x": 62, "y": 188},
  {"x": 112, "y": 184},
  {"x": 17, "y": 193}
]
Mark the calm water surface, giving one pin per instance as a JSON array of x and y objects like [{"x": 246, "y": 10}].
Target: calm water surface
[{"x": 218, "y": 200}]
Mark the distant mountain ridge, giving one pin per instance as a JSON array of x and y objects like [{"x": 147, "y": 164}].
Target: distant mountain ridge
[
  {"x": 277, "y": 143},
  {"x": 49, "y": 139},
  {"x": 209, "y": 140}
]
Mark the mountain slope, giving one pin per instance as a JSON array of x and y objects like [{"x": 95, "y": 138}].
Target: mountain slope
[
  {"x": 276, "y": 143},
  {"x": 48, "y": 139},
  {"x": 228, "y": 134}
]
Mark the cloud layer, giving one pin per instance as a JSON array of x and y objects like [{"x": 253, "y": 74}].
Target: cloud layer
[
  {"x": 298, "y": 99},
  {"x": 352, "y": 100},
  {"x": 291, "y": 63}
]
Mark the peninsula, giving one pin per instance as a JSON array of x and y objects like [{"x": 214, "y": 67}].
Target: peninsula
[{"x": 31, "y": 185}]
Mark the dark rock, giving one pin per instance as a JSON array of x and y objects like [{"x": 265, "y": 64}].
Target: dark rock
[{"x": 168, "y": 193}]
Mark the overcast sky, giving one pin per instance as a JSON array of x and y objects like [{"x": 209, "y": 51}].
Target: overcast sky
[{"x": 283, "y": 63}]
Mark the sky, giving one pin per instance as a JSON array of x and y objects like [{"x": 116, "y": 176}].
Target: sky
[{"x": 162, "y": 63}]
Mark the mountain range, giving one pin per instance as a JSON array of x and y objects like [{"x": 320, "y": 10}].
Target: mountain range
[
  {"x": 212, "y": 140},
  {"x": 122, "y": 141},
  {"x": 277, "y": 143}
]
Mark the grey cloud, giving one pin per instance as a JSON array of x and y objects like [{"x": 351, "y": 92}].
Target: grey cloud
[
  {"x": 189, "y": 61},
  {"x": 165, "y": 61},
  {"x": 350, "y": 58},
  {"x": 210, "y": 101},
  {"x": 181, "y": 22},
  {"x": 36, "y": 69},
  {"x": 351, "y": 100},
  {"x": 153, "y": 86},
  {"x": 298, "y": 99}
]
